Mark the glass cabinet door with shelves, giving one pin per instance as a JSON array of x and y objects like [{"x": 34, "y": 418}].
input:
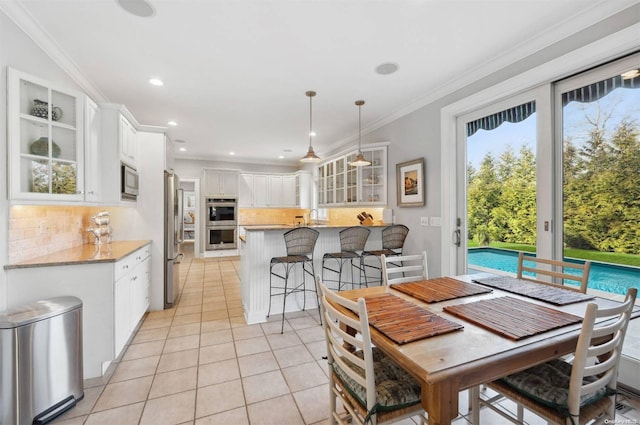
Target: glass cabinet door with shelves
[
  {"x": 340, "y": 168},
  {"x": 45, "y": 140},
  {"x": 352, "y": 181},
  {"x": 373, "y": 177},
  {"x": 330, "y": 179},
  {"x": 322, "y": 184}
]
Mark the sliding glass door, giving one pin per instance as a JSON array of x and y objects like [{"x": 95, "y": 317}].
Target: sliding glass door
[
  {"x": 561, "y": 184},
  {"x": 498, "y": 191},
  {"x": 598, "y": 134}
]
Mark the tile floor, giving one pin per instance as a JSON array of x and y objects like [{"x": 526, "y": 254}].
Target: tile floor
[{"x": 200, "y": 364}]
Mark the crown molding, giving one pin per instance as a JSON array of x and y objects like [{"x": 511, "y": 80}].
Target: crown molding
[
  {"x": 599, "y": 11},
  {"x": 16, "y": 11}
]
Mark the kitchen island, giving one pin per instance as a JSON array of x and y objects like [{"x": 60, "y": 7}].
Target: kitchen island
[
  {"x": 112, "y": 280},
  {"x": 261, "y": 243}
]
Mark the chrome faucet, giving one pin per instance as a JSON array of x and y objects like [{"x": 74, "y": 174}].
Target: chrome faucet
[{"x": 310, "y": 211}]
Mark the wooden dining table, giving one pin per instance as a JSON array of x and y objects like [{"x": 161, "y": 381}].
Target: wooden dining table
[{"x": 448, "y": 363}]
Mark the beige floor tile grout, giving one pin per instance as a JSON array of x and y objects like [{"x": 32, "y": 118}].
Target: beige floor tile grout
[{"x": 207, "y": 283}]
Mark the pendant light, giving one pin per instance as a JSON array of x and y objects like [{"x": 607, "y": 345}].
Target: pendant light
[
  {"x": 360, "y": 160},
  {"x": 311, "y": 155}
]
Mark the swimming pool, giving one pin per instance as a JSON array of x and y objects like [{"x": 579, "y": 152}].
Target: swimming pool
[{"x": 602, "y": 276}]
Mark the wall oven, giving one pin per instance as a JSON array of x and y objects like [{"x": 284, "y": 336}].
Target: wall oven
[
  {"x": 222, "y": 212},
  {"x": 222, "y": 224},
  {"x": 222, "y": 237}
]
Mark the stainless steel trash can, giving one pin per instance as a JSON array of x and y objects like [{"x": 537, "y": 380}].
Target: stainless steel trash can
[{"x": 40, "y": 360}]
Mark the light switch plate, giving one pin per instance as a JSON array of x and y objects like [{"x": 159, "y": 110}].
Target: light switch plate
[
  {"x": 424, "y": 221},
  {"x": 435, "y": 221}
]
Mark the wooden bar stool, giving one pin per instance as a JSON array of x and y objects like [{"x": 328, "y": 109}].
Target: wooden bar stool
[
  {"x": 300, "y": 243},
  {"x": 352, "y": 241}
]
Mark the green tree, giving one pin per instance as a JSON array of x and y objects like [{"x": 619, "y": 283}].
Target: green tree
[{"x": 483, "y": 195}]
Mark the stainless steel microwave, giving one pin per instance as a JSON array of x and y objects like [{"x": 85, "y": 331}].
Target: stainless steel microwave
[{"x": 129, "y": 182}]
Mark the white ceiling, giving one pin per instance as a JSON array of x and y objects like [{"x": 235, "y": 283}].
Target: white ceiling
[{"x": 235, "y": 72}]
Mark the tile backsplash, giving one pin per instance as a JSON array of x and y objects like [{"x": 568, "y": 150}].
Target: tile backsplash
[
  {"x": 35, "y": 231},
  {"x": 337, "y": 216}
]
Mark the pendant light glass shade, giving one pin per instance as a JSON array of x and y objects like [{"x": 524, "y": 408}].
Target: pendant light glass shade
[
  {"x": 360, "y": 160},
  {"x": 311, "y": 155}
]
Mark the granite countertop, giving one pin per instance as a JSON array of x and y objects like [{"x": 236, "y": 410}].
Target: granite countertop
[
  {"x": 83, "y": 254},
  {"x": 250, "y": 228}
]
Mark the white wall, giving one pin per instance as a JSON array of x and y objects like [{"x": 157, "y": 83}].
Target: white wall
[
  {"x": 419, "y": 134},
  {"x": 192, "y": 169},
  {"x": 20, "y": 52}
]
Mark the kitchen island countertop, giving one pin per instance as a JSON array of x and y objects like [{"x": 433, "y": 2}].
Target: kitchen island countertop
[
  {"x": 262, "y": 227},
  {"x": 83, "y": 254}
]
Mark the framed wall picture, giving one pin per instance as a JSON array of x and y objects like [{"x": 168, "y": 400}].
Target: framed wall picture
[{"x": 411, "y": 183}]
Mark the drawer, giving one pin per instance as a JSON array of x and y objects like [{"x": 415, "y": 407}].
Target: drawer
[
  {"x": 142, "y": 254},
  {"x": 124, "y": 266},
  {"x": 131, "y": 261}
]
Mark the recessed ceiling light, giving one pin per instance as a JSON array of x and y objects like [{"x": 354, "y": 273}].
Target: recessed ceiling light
[
  {"x": 172, "y": 123},
  {"x": 313, "y": 134},
  {"x": 141, "y": 8},
  {"x": 386, "y": 68},
  {"x": 156, "y": 82},
  {"x": 280, "y": 156},
  {"x": 232, "y": 153},
  {"x": 630, "y": 74},
  {"x": 183, "y": 149}
]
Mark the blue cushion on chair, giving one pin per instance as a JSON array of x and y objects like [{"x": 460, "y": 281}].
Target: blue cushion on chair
[
  {"x": 548, "y": 384},
  {"x": 395, "y": 388}
]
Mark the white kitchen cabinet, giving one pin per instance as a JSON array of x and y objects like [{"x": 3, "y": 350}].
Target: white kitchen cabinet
[
  {"x": 275, "y": 191},
  {"x": 222, "y": 183},
  {"x": 245, "y": 191},
  {"x": 340, "y": 184},
  {"x": 128, "y": 142},
  {"x": 91, "y": 151},
  {"x": 333, "y": 182},
  {"x": 373, "y": 178},
  {"x": 114, "y": 298},
  {"x": 45, "y": 139},
  {"x": 303, "y": 189},
  {"x": 121, "y": 313},
  {"x": 260, "y": 190},
  {"x": 268, "y": 190},
  {"x": 288, "y": 196},
  {"x": 131, "y": 294},
  {"x": 118, "y": 144}
]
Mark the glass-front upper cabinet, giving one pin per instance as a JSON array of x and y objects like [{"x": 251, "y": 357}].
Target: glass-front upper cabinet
[
  {"x": 373, "y": 177},
  {"x": 331, "y": 182},
  {"x": 342, "y": 184},
  {"x": 45, "y": 140},
  {"x": 352, "y": 181}
]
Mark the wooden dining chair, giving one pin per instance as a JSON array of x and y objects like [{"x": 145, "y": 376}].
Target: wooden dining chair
[
  {"x": 405, "y": 268},
  {"x": 373, "y": 389},
  {"x": 548, "y": 270},
  {"x": 570, "y": 393}
]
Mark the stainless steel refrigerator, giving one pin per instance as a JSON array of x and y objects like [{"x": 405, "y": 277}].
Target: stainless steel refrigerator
[{"x": 173, "y": 237}]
